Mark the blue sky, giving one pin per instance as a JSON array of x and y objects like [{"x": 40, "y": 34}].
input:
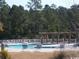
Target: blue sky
[{"x": 64, "y": 3}]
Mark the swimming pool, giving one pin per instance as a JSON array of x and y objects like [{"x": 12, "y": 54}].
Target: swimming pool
[
  {"x": 21, "y": 46},
  {"x": 31, "y": 46},
  {"x": 15, "y": 46}
]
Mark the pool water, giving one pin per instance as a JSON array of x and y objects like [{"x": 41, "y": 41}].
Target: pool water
[
  {"x": 29, "y": 46},
  {"x": 15, "y": 46},
  {"x": 24, "y": 46}
]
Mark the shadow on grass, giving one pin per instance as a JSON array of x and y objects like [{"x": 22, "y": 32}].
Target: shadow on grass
[{"x": 65, "y": 55}]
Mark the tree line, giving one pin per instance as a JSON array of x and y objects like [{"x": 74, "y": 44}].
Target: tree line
[{"x": 16, "y": 22}]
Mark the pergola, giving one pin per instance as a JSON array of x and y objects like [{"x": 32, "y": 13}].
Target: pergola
[{"x": 59, "y": 37}]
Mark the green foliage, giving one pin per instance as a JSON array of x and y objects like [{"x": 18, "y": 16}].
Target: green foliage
[
  {"x": 18, "y": 22},
  {"x": 5, "y": 55},
  {"x": 2, "y": 3},
  {"x": 34, "y": 4}
]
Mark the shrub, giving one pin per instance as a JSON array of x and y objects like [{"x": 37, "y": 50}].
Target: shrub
[
  {"x": 5, "y": 55},
  {"x": 65, "y": 55},
  {"x": 58, "y": 55}
]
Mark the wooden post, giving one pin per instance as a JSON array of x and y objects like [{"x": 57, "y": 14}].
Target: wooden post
[
  {"x": 52, "y": 38},
  {"x": 75, "y": 37},
  {"x": 69, "y": 37},
  {"x": 58, "y": 37},
  {"x": 41, "y": 38},
  {"x": 78, "y": 37},
  {"x": 64, "y": 38},
  {"x": 47, "y": 38}
]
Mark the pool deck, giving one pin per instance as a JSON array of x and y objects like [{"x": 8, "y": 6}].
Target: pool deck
[
  {"x": 67, "y": 47},
  {"x": 42, "y": 49}
]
